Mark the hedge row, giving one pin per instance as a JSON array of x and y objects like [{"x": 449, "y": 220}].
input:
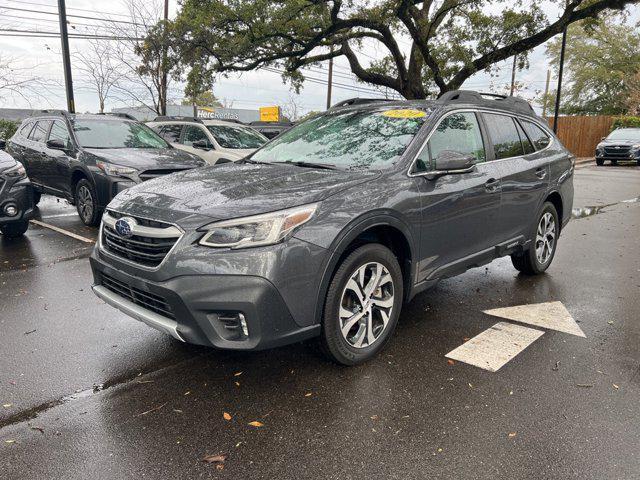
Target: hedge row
[
  {"x": 7, "y": 128},
  {"x": 626, "y": 122}
]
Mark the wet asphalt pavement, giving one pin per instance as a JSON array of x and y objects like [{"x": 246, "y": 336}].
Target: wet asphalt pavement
[{"x": 90, "y": 393}]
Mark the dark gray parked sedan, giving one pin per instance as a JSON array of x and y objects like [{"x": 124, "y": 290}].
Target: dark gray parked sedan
[{"x": 327, "y": 230}]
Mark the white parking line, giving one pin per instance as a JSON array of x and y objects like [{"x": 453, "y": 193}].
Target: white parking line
[
  {"x": 496, "y": 346},
  {"x": 63, "y": 231},
  {"x": 550, "y": 315},
  {"x": 60, "y": 215}
]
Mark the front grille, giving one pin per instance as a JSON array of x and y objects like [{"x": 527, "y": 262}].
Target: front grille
[
  {"x": 150, "y": 174},
  {"x": 147, "y": 300},
  {"x": 148, "y": 251},
  {"x": 619, "y": 151}
]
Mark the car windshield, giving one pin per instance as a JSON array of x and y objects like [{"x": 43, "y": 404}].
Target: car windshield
[
  {"x": 625, "y": 134},
  {"x": 236, "y": 137},
  {"x": 98, "y": 133},
  {"x": 351, "y": 139}
]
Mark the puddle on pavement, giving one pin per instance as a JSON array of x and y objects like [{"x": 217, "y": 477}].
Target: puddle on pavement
[{"x": 583, "y": 212}]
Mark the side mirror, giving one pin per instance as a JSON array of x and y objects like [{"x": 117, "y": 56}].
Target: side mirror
[
  {"x": 449, "y": 161},
  {"x": 56, "y": 144},
  {"x": 202, "y": 145},
  {"x": 3, "y": 144}
]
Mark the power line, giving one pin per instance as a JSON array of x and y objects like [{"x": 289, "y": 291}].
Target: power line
[
  {"x": 21, "y": 2},
  {"x": 72, "y": 16}
]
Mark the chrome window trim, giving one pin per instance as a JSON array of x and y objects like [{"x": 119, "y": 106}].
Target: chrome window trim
[
  {"x": 475, "y": 110},
  {"x": 129, "y": 262}
]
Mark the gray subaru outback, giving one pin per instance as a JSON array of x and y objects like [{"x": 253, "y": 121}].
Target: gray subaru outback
[{"x": 328, "y": 229}]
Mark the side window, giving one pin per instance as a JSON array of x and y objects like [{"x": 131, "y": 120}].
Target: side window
[
  {"x": 26, "y": 129},
  {"x": 59, "y": 131},
  {"x": 193, "y": 134},
  {"x": 171, "y": 133},
  {"x": 39, "y": 132},
  {"x": 504, "y": 135},
  {"x": 538, "y": 136},
  {"x": 458, "y": 132},
  {"x": 526, "y": 144}
]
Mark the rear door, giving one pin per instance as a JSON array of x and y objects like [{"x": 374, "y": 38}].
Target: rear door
[
  {"x": 60, "y": 161},
  {"x": 525, "y": 176},
  {"x": 460, "y": 211}
]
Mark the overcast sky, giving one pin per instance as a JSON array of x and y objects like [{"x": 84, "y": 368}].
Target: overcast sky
[{"x": 40, "y": 56}]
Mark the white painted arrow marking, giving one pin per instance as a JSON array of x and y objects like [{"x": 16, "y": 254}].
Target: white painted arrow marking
[
  {"x": 550, "y": 315},
  {"x": 496, "y": 346}
]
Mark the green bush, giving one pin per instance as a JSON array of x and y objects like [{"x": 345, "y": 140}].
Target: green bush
[
  {"x": 626, "y": 122},
  {"x": 7, "y": 128}
]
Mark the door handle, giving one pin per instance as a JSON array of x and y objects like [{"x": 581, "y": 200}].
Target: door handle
[
  {"x": 492, "y": 185},
  {"x": 541, "y": 173}
]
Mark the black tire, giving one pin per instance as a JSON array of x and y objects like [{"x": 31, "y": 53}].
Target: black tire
[
  {"x": 87, "y": 203},
  {"x": 336, "y": 345},
  {"x": 15, "y": 229},
  {"x": 37, "y": 196},
  {"x": 528, "y": 262},
  {"x": 599, "y": 162}
]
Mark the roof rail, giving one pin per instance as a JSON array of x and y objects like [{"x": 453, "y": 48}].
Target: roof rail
[
  {"x": 163, "y": 118},
  {"x": 359, "y": 101},
  {"x": 469, "y": 96},
  {"x": 64, "y": 113}
]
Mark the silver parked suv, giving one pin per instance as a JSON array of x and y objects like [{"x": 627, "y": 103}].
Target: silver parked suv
[{"x": 328, "y": 229}]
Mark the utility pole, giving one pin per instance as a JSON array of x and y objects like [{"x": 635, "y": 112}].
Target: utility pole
[
  {"x": 330, "y": 81},
  {"x": 513, "y": 76},
  {"x": 562, "y": 49},
  {"x": 545, "y": 99},
  {"x": 163, "y": 80},
  {"x": 66, "y": 59}
]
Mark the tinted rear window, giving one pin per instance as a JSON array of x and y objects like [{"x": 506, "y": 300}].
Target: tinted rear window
[
  {"x": 539, "y": 138},
  {"x": 504, "y": 136},
  {"x": 171, "y": 133},
  {"x": 92, "y": 133},
  {"x": 39, "y": 133}
]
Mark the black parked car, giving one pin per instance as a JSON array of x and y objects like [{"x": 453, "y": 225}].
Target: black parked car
[
  {"x": 16, "y": 196},
  {"x": 329, "y": 228},
  {"x": 88, "y": 159},
  {"x": 621, "y": 145}
]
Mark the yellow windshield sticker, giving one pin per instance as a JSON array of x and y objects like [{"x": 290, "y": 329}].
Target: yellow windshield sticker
[{"x": 404, "y": 113}]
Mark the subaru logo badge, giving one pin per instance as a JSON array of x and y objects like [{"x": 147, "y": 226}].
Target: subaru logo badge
[
  {"x": 124, "y": 226},
  {"x": 617, "y": 147}
]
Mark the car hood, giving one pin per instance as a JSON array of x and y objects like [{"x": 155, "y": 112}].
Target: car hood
[
  {"x": 6, "y": 161},
  {"x": 147, "y": 158},
  {"x": 609, "y": 143},
  {"x": 232, "y": 191}
]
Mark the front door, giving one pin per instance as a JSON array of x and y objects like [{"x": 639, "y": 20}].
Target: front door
[{"x": 459, "y": 210}]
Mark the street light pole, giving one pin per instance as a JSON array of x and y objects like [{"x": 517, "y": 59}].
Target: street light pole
[
  {"x": 66, "y": 59},
  {"x": 513, "y": 76},
  {"x": 560, "y": 69}
]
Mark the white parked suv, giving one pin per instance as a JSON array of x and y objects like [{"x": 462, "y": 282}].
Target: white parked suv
[{"x": 215, "y": 141}]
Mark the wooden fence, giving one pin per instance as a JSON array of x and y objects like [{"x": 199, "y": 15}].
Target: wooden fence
[{"x": 581, "y": 134}]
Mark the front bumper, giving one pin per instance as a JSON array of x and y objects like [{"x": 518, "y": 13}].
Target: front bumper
[
  {"x": 198, "y": 305},
  {"x": 19, "y": 194}
]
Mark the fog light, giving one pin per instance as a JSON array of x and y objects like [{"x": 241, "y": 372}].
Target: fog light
[
  {"x": 11, "y": 210},
  {"x": 243, "y": 324}
]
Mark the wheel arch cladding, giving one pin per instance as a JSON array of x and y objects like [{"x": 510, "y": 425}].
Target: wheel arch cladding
[
  {"x": 556, "y": 199},
  {"x": 388, "y": 232},
  {"x": 76, "y": 176}
]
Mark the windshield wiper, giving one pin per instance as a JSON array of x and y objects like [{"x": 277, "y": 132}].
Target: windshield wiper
[{"x": 323, "y": 166}]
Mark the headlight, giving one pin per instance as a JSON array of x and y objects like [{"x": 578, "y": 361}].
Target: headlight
[
  {"x": 17, "y": 171},
  {"x": 636, "y": 146},
  {"x": 257, "y": 230},
  {"x": 115, "y": 170}
]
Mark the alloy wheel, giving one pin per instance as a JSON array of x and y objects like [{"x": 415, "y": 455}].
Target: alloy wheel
[
  {"x": 545, "y": 238},
  {"x": 366, "y": 305},
  {"x": 85, "y": 203}
]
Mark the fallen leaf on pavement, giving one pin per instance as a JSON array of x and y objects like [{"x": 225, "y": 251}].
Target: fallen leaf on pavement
[
  {"x": 308, "y": 394},
  {"x": 151, "y": 410},
  {"x": 188, "y": 392},
  {"x": 7, "y": 405},
  {"x": 451, "y": 362},
  {"x": 256, "y": 424},
  {"x": 226, "y": 416},
  {"x": 237, "y": 384},
  {"x": 615, "y": 386},
  {"x": 9, "y": 441},
  {"x": 39, "y": 429},
  {"x": 584, "y": 385},
  {"x": 237, "y": 374},
  {"x": 217, "y": 460},
  {"x": 512, "y": 434}
]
